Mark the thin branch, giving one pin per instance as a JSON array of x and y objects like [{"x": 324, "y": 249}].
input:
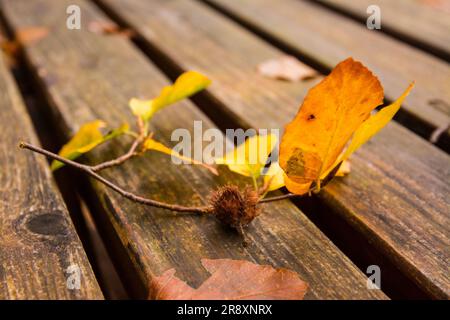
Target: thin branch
[
  {"x": 130, "y": 153},
  {"x": 115, "y": 162},
  {"x": 88, "y": 170},
  {"x": 282, "y": 197},
  {"x": 289, "y": 195}
]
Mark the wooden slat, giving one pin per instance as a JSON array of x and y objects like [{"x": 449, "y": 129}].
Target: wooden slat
[
  {"x": 416, "y": 21},
  {"x": 327, "y": 38},
  {"x": 397, "y": 194},
  {"x": 37, "y": 239},
  {"x": 90, "y": 76}
]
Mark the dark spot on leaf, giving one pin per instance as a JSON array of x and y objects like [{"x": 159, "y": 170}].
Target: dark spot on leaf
[{"x": 295, "y": 164}]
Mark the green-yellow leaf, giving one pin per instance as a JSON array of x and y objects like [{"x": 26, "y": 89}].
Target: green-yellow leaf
[
  {"x": 125, "y": 127},
  {"x": 151, "y": 144},
  {"x": 87, "y": 138},
  {"x": 185, "y": 86},
  {"x": 250, "y": 157}
]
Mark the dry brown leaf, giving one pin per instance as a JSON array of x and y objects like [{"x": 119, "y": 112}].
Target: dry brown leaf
[
  {"x": 109, "y": 28},
  {"x": 10, "y": 49},
  {"x": 232, "y": 280},
  {"x": 443, "y": 5},
  {"x": 286, "y": 68},
  {"x": 31, "y": 35}
]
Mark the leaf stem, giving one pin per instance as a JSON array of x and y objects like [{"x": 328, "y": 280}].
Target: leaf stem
[{"x": 255, "y": 183}]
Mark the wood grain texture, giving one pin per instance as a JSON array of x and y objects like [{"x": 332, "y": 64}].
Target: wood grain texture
[
  {"x": 397, "y": 193},
  {"x": 89, "y": 76},
  {"x": 328, "y": 38},
  {"x": 415, "y": 20},
  {"x": 37, "y": 239}
]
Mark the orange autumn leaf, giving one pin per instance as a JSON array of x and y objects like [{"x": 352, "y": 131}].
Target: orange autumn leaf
[
  {"x": 232, "y": 280},
  {"x": 108, "y": 28},
  {"x": 330, "y": 115}
]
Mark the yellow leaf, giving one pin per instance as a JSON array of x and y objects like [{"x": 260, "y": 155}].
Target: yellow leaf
[
  {"x": 250, "y": 157},
  {"x": 274, "y": 177},
  {"x": 297, "y": 188},
  {"x": 125, "y": 127},
  {"x": 151, "y": 144},
  {"x": 87, "y": 138},
  {"x": 185, "y": 86},
  {"x": 328, "y": 117},
  {"x": 374, "y": 124},
  {"x": 141, "y": 108},
  {"x": 344, "y": 169}
]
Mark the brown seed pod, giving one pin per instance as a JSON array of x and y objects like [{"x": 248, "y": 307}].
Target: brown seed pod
[{"x": 233, "y": 207}]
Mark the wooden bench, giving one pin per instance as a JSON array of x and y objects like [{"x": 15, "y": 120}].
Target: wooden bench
[
  {"x": 394, "y": 175},
  {"x": 391, "y": 211},
  {"x": 421, "y": 23},
  {"x": 39, "y": 247}
]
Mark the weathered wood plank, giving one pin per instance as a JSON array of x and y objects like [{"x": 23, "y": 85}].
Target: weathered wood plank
[
  {"x": 88, "y": 76},
  {"x": 415, "y": 21},
  {"x": 397, "y": 194},
  {"x": 37, "y": 239},
  {"x": 327, "y": 38}
]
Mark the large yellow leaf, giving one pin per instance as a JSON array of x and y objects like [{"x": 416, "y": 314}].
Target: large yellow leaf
[
  {"x": 335, "y": 110},
  {"x": 151, "y": 144},
  {"x": 186, "y": 85},
  {"x": 329, "y": 115},
  {"x": 250, "y": 157},
  {"x": 87, "y": 138},
  {"x": 297, "y": 188}
]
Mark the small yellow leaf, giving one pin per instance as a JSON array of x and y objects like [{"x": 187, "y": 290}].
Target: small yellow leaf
[
  {"x": 185, "y": 86},
  {"x": 151, "y": 144},
  {"x": 87, "y": 138},
  {"x": 344, "y": 169},
  {"x": 125, "y": 127},
  {"x": 374, "y": 124},
  {"x": 141, "y": 108},
  {"x": 250, "y": 157},
  {"x": 274, "y": 177}
]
